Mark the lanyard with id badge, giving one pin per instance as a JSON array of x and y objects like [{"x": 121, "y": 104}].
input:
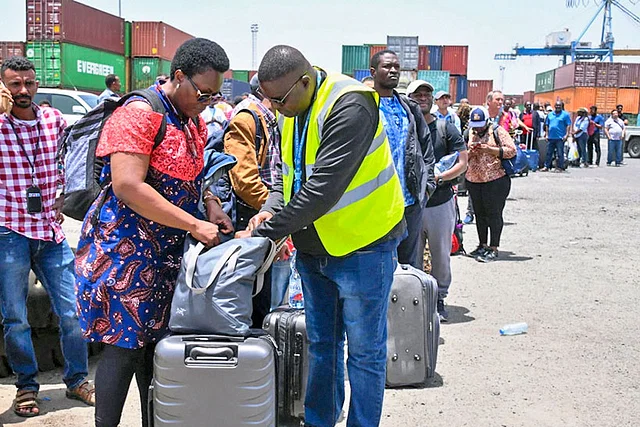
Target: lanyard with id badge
[{"x": 34, "y": 195}]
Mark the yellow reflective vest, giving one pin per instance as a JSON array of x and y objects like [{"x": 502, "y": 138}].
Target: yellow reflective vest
[{"x": 373, "y": 203}]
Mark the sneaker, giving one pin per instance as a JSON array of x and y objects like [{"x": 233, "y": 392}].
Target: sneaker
[
  {"x": 609, "y": 164},
  {"x": 468, "y": 219},
  {"x": 488, "y": 256},
  {"x": 442, "y": 312},
  {"x": 480, "y": 250},
  {"x": 544, "y": 169}
]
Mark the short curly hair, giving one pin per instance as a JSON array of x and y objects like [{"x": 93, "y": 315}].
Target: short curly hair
[
  {"x": 197, "y": 56},
  {"x": 279, "y": 61},
  {"x": 17, "y": 63}
]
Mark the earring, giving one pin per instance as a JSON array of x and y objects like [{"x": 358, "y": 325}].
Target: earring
[{"x": 178, "y": 86}]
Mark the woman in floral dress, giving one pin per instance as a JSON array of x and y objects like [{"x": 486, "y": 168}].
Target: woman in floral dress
[{"x": 131, "y": 244}]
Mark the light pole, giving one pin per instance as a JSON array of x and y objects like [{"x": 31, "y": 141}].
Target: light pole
[
  {"x": 120, "y": 8},
  {"x": 254, "y": 46}
]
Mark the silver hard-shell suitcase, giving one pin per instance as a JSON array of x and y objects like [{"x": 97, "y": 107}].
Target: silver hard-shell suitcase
[
  {"x": 413, "y": 327},
  {"x": 209, "y": 380}
]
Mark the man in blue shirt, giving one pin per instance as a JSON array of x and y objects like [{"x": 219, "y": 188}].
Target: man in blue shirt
[
  {"x": 443, "y": 101},
  {"x": 412, "y": 150},
  {"x": 112, "y": 82},
  {"x": 557, "y": 126},
  {"x": 597, "y": 121}
]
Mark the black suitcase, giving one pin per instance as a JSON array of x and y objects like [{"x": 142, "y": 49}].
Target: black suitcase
[{"x": 287, "y": 327}]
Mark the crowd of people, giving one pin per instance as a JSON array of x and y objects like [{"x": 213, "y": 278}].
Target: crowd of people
[{"x": 348, "y": 170}]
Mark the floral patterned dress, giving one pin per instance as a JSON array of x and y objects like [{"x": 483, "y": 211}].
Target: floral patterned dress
[{"x": 127, "y": 265}]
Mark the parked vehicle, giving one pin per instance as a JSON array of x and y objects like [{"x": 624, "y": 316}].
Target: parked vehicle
[
  {"x": 632, "y": 141},
  {"x": 71, "y": 103}
]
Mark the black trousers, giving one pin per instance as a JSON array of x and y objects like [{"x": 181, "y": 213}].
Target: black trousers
[
  {"x": 114, "y": 373},
  {"x": 594, "y": 142},
  {"x": 489, "y": 199}
]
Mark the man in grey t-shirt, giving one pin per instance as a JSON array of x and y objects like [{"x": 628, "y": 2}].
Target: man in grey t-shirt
[{"x": 614, "y": 128}]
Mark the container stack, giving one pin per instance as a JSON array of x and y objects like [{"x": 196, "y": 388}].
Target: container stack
[
  {"x": 74, "y": 46},
  {"x": 477, "y": 91},
  {"x": 9, "y": 49}
]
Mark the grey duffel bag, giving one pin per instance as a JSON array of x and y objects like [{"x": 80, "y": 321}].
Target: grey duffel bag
[{"x": 215, "y": 286}]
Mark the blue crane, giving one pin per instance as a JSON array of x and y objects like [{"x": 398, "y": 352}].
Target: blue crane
[{"x": 576, "y": 49}]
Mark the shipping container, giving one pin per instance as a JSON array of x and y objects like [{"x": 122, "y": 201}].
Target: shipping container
[
  {"x": 606, "y": 99},
  {"x": 65, "y": 65},
  {"x": 629, "y": 75},
  {"x": 528, "y": 96},
  {"x": 232, "y": 88},
  {"x": 407, "y": 50},
  {"x": 361, "y": 74},
  {"x": 545, "y": 81},
  {"x": 477, "y": 91},
  {"x": 68, "y": 21},
  {"x": 145, "y": 70},
  {"x": 576, "y": 74},
  {"x": 228, "y": 74},
  {"x": 435, "y": 57},
  {"x": 453, "y": 88},
  {"x": 126, "y": 79},
  {"x": 544, "y": 98},
  {"x": 373, "y": 49},
  {"x": 438, "y": 79},
  {"x": 252, "y": 73},
  {"x": 455, "y": 59},
  {"x": 607, "y": 74},
  {"x": 241, "y": 75},
  {"x": 461, "y": 88},
  {"x": 630, "y": 99},
  {"x": 156, "y": 39},
  {"x": 9, "y": 49},
  {"x": 354, "y": 58},
  {"x": 576, "y": 97},
  {"x": 127, "y": 39},
  {"x": 515, "y": 99},
  {"x": 423, "y": 57}
]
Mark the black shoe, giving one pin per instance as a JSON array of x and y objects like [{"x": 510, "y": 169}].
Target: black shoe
[
  {"x": 488, "y": 256},
  {"x": 480, "y": 250},
  {"x": 442, "y": 312}
]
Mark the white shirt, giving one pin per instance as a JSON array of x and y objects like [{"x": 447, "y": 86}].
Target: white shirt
[{"x": 615, "y": 128}]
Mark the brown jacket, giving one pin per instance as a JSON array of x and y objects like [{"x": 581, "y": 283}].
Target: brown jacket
[{"x": 239, "y": 141}]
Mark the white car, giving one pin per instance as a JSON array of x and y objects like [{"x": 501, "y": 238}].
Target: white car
[{"x": 72, "y": 104}]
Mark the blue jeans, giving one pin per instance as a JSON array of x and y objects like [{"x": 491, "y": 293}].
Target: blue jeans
[
  {"x": 411, "y": 250},
  {"x": 349, "y": 295},
  {"x": 280, "y": 273},
  {"x": 53, "y": 264},
  {"x": 614, "y": 148},
  {"x": 582, "y": 143},
  {"x": 555, "y": 145}
]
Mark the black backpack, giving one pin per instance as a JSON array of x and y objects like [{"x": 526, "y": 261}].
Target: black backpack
[{"x": 78, "y": 151}]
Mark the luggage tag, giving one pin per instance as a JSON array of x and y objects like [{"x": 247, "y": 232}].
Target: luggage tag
[{"x": 34, "y": 199}]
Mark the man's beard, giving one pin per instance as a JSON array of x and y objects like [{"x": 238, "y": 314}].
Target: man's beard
[{"x": 22, "y": 101}]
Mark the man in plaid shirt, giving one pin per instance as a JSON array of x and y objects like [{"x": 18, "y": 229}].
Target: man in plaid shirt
[{"x": 31, "y": 236}]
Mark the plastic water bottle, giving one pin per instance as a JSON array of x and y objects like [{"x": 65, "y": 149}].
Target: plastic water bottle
[
  {"x": 514, "y": 329},
  {"x": 296, "y": 299}
]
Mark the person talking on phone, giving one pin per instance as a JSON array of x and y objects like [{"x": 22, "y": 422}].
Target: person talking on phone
[{"x": 31, "y": 236}]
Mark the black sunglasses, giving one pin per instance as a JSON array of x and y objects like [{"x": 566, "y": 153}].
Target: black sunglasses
[
  {"x": 283, "y": 100},
  {"x": 202, "y": 97}
]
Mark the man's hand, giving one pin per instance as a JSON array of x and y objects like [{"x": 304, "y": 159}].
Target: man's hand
[
  {"x": 243, "y": 234},
  {"x": 259, "y": 219},
  {"x": 216, "y": 215},
  {"x": 57, "y": 208},
  {"x": 6, "y": 100}
]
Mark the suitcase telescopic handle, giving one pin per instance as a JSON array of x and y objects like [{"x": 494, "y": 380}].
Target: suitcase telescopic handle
[{"x": 218, "y": 353}]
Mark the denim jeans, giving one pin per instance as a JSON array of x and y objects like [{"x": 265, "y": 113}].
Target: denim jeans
[
  {"x": 614, "y": 151},
  {"x": 410, "y": 250},
  {"x": 582, "y": 143},
  {"x": 555, "y": 145},
  {"x": 53, "y": 265},
  {"x": 280, "y": 273},
  {"x": 349, "y": 295}
]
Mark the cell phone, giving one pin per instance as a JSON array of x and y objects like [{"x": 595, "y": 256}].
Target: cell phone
[{"x": 6, "y": 103}]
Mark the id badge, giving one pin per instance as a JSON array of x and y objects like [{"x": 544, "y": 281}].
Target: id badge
[{"x": 34, "y": 200}]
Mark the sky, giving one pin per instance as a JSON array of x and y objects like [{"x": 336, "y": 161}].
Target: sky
[{"x": 320, "y": 28}]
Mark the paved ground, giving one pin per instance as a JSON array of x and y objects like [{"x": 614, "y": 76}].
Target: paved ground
[{"x": 568, "y": 267}]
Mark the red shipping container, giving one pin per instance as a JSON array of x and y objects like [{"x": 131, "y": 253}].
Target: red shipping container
[
  {"x": 576, "y": 74},
  {"x": 629, "y": 75},
  {"x": 9, "y": 49},
  {"x": 455, "y": 59},
  {"x": 528, "y": 96},
  {"x": 228, "y": 74},
  {"x": 375, "y": 48},
  {"x": 156, "y": 39},
  {"x": 72, "y": 22},
  {"x": 251, "y": 74},
  {"x": 477, "y": 91},
  {"x": 453, "y": 88},
  {"x": 607, "y": 74},
  {"x": 423, "y": 58}
]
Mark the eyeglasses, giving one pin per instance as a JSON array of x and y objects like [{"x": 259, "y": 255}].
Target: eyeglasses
[
  {"x": 283, "y": 100},
  {"x": 202, "y": 97}
]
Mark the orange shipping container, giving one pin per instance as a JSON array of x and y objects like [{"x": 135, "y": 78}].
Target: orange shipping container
[
  {"x": 375, "y": 48},
  {"x": 576, "y": 97},
  {"x": 544, "y": 98},
  {"x": 630, "y": 99},
  {"x": 453, "y": 88},
  {"x": 606, "y": 99},
  {"x": 156, "y": 39}
]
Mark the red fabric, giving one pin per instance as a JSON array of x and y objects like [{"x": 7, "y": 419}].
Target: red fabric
[
  {"x": 40, "y": 141},
  {"x": 591, "y": 129},
  {"x": 527, "y": 119},
  {"x": 132, "y": 130}
]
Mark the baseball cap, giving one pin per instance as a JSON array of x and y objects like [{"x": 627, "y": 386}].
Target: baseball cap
[
  {"x": 440, "y": 94},
  {"x": 478, "y": 117},
  {"x": 416, "y": 84},
  {"x": 549, "y": 108}
]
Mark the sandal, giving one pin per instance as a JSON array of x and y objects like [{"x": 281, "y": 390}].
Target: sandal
[
  {"x": 85, "y": 393},
  {"x": 25, "y": 404}
]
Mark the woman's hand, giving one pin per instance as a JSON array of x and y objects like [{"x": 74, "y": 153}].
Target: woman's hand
[{"x": 206, "y": 232}]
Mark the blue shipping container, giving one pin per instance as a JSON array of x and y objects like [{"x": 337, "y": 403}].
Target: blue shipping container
[
  {"x": 461, "y": 88},
  {"x": 435, "y": 57},
  {"x": 232, "y": 88},
  {"x": 361, "y": 74},
  {"x": 438, "y": 79}
]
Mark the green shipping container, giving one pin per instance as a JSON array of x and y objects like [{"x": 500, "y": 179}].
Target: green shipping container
[
  {"x": 65, "y": 65},
  {"x": 354, "y": 58},
  {"x": 145, "y": 70},
  {"x": 241, "y": 75},
  {"x": 544, "y": 81},
  {"x": 127, "y": 39},
  {"x": 438, "y": 79}
]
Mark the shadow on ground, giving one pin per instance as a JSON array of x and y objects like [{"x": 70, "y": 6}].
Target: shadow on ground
[{"x": 458, "y": 314}]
